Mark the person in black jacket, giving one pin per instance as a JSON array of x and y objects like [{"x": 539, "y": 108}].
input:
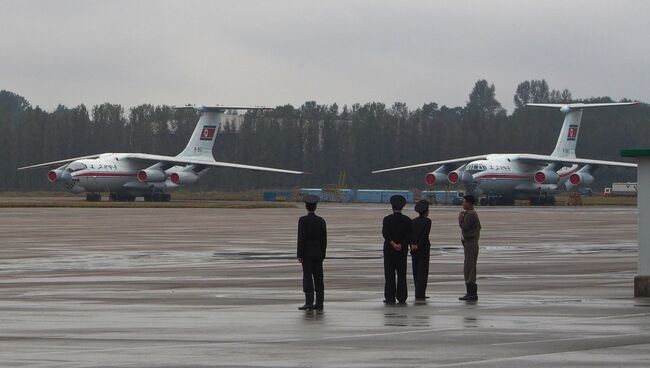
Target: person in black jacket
[
  {"x": 421, "y": 249},
  {"x": 312, "y": 243},
  {"x": 396, "y": 230}
]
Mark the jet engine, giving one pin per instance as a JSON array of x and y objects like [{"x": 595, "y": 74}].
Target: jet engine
[
  {"x": 59, "y": 175},
  {"x": 151, "y": 176},
  {"x": 546, "y": 177},
  {"x": 437, "y": 176},
  {"x": 184, "y": 177},
  {"x": 455, "y": 176},
  {"x": 581, "y": 178}
]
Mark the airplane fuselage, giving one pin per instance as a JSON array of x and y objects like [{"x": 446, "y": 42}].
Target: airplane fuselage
[
  {"x": 112, "y": 172},
  {"x": 503, "y": 175}
]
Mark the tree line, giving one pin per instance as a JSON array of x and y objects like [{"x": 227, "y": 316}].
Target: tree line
[{"x": 324, "y": 140}]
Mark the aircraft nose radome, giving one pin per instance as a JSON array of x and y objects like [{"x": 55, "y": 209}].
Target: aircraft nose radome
[{"x": 468, "y": 178}]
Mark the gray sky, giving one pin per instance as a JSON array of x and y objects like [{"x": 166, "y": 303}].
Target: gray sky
[{"x": 269, "y": 52}]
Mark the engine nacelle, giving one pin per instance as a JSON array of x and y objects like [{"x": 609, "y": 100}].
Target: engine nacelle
[
  {"x": 546, "y": 177},
  {"x": 435, "y": 177},
  {"x": 581, "y": 179},
  {"x": 59, "y": 175},
  {"x": 183, "y": 177},
  {"x": 455, "y": 176},
  {"x": 151, "y": 176}
]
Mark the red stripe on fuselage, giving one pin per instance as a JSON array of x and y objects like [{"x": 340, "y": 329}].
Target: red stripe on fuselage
[
  {"x": 106, "y": 174},
  {"x": 505, "y": 176}
]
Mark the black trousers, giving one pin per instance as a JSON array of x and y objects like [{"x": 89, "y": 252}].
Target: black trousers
[
  {"x": 395, "y": 265},
  {"x": 420, "y": 261},
  {"x": 312, "y": 275}
]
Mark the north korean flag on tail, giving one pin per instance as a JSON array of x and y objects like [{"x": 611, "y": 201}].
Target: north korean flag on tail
[
  {"x": 208, "y": 132},
  {"x": 573, "y": 133}
]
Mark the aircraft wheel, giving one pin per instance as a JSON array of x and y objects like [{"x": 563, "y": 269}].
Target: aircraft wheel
[
  {"x": 93, "y": 197},
  {"x": 508, "y": 201}
]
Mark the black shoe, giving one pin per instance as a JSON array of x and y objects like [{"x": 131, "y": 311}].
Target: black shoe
[
  {"x": 318, "y": 307},
  {"x": 471, "y": 295},
  {"x": 306, "y": 307},
  {"x": 320, "y": 297},
  {"x": 309, "y": 302},
  {"x": 468, "y": 293},
  {"x": 421, "y": 299},
  {"x": 402, "y": 302},
  {"x": 474, "y": 290},
  {"x": 389, "y": 302}
]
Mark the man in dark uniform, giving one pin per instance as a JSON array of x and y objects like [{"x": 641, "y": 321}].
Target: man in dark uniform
[
  {"x": 421, "y": 249},
  {"x": 397, "y": 235},
  {"x": 471, "y": 231},
  {"x": 312, "y": 243}
]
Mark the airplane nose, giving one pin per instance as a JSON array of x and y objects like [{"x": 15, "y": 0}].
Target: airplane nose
[{"x": 468, "y": 178}]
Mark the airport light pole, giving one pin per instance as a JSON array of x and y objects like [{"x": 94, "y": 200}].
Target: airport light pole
[{"x": 642, "y": 279}]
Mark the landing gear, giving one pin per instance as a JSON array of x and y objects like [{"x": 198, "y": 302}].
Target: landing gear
[
  {"x": 93, "y": 197},
  {"x": 542, "y": 201},
  {"x": 497, "y": 201},
  {"x": 157, "y": 197},
  {"x": 122, "y": 197}
]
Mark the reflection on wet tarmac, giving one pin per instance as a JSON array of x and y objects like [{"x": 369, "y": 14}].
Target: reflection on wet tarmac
[{"x": 76, "y": 292}]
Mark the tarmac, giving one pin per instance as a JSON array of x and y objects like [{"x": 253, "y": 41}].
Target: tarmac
[{"x": 146, "y": 287}]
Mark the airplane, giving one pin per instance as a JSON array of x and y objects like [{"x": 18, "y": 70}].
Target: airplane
[
  {"x": 126, "y": 176},
  {"x": 499, "y": 179}
]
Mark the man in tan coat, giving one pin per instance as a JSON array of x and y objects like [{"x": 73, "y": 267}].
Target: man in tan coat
[{"x": 470, "y": 226}]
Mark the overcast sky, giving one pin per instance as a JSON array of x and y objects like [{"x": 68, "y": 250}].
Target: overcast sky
[{"x": 270, "y": 52}]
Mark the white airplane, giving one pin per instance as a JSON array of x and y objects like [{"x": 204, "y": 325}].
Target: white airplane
[
  {"x": 502, "y": 178},
  {"x": 129, "y": 175}
]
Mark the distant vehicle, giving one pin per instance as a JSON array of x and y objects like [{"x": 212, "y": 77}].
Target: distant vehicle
[
  {"x": 502, "y": 178},
  {"x": 621, "y": 190},
  {"x": 446, "y": 197},
  {"x": 129, "y": 175}
]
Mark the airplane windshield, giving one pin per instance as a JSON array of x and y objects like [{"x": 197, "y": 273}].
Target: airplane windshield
[
  {"x": 76, "y": 166},
  {"x": 475, "y": 167}
]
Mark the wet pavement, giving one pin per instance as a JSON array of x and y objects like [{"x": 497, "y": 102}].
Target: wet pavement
[{"x": 84, "y": 287}]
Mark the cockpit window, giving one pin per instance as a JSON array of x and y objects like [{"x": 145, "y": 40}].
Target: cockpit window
[
  {"x": 76, "y": 166},
  {"x": 476, "y": 167}
]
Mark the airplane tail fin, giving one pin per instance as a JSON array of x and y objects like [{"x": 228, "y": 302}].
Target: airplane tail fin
[
  {"x": 202, "y": 139},
  {"x": 566, "y": 142}
]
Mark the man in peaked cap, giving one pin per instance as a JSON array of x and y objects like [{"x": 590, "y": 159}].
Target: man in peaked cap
[
  {"x": 421, "y": 249},
  {"x": 396, "y": 230},
  {"x": 312, "y": 243},
  {"x": 470, "y": 227}
]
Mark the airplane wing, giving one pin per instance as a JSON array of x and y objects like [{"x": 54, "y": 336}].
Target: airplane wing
[
  {"x": 211, "y": 163},
  {"x": 580, "y": 105},
  {"x": 452, "y": 161},
  {"x": 53, "y": 163},
  {"x": 543, "y": 159}
]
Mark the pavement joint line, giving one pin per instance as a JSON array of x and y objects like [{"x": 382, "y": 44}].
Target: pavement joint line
[
  {"x": 569, "y": 339},
  {"x": 497, "y": 360},
  {"x": 282, "y": 341}
]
